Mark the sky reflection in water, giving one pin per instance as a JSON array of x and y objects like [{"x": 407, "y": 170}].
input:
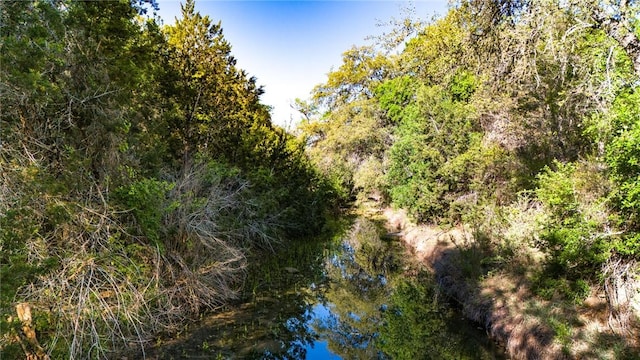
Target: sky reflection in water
[{"x": 337, "y": 301}]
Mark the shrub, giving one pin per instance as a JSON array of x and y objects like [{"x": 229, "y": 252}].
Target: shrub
[
  {"x": 575, "y": 235},
  {"x": 423, "y": 174},
  {"x": 146, "y": 199},
  {"x": 524, "y": 221},
  {"x": 623, "y": 158}
]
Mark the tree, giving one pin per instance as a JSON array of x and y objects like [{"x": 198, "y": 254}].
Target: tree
[
  {"x": 362, "y": 68},
  {"x": 618, "y": 18},
  {"x": 214, "y": 105}
]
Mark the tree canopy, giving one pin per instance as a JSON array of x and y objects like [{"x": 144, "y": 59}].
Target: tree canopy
[
  {"x": 138, "y": 170},
  {"x": 495, "y": 112}
]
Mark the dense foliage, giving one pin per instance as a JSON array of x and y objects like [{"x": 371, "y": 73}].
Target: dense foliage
[
  {"x": 138, "y": 169},
  {"x": 518, "y": 119}
]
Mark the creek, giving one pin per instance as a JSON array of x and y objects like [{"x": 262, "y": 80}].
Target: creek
[{"x": 354, "y": 296}]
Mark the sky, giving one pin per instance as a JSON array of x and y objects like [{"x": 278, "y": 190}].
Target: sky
[{"x": 290, "y": 46}]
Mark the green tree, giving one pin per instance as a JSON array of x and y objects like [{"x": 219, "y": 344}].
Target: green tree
[
  {"x": 361, "y": 69},
  {"x": 417, "y": 175},
  {"x": 135, "y": 161},
  {"x": 215, "y": 106},
  {"x": 623, "y": 158}
]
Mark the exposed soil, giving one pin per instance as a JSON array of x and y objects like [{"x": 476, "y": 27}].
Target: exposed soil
[{"x": 501, "y": 301}]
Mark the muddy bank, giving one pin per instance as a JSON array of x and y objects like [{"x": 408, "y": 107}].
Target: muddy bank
[{"x": 502, "y": 302}]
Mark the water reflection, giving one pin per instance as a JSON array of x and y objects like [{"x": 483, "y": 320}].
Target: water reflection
[{"x": 353, "y": 298}]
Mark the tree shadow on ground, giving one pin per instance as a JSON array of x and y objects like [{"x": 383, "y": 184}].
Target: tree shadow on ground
[{"x": 528, "y": 327}]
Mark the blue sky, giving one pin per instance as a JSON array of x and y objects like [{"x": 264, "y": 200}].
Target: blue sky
[{"x": 290, "y": 46}]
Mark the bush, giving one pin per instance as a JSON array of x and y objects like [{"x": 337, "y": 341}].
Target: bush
[
  {"x": 524, "y": 221},
  {"x": 146, "y": 199},
  {"x": 426, "y": 172},
  {"x": 576, "y": 235},
  {"x": 623, "y": 158},
  {"x": 556, "y": 190}
]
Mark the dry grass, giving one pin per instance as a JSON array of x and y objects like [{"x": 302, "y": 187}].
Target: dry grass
[
  {"x": 622, "y": 290},
  {"x": 108, "y": 291},
  {"x": 201, "y": 261},
  {"x": 96, "y": 298},
  {"x": 206, "y": 241}
]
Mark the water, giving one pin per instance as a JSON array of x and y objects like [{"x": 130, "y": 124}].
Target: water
[{"x": 355, "y": 297}]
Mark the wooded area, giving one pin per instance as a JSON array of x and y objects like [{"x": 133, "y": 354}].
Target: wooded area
[
  {"x": 517, "y": 119},
  {"x": 138, "y": 170}
]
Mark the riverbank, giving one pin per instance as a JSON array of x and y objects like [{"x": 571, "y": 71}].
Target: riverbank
[{"x": 500, "y": 298}]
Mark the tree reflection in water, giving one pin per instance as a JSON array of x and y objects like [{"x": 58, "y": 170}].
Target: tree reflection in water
[
  {"x": 355, "y": 299},
  {"x": 384, "y": 308}
]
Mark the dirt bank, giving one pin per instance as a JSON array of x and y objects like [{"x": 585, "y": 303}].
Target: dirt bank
[{"x": 501, "y": 300}]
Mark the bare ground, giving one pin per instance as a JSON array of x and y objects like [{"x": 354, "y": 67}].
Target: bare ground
[{"x": 501, "y": 301}]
